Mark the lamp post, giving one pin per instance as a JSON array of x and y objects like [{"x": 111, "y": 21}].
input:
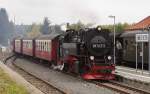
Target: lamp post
[{"x": 114, "y": 18}]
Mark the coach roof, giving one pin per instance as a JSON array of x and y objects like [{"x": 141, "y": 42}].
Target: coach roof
[
  {"x": 133, "y": 33},
  {"x": 50, "y": 36}
]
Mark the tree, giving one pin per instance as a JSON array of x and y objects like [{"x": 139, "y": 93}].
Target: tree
[
  {"x": 6, "y": 28},
  {"x": 34, "y": 31},
  {"x": 77, "y": 26},
  {"x": 119, "y": 27},
  {"x": 55, "y": 28},
  {"x": 45, "y": 29}
]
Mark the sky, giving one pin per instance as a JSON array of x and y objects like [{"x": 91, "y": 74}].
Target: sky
[{"x": 88, "y": 11}]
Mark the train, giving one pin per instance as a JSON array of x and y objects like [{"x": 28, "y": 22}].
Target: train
[
  {"x": 128, "y": 42},
  {"x": 87, "y": 52}
]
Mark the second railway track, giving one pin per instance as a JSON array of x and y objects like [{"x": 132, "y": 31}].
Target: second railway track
[{"x": 121, "y": 88}]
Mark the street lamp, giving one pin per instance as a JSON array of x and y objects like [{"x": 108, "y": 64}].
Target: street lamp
[{"x": 113, "y": 17}]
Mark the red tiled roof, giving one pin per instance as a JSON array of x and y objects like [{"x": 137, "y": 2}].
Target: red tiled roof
[{"x": 145, "y": 23}]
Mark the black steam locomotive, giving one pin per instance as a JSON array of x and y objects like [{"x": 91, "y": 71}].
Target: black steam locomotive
[{"x": 89, "y": 53}]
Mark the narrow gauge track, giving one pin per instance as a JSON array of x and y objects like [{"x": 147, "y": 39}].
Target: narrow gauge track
[
  {"x": 120, "y": 88},
  {"x": 38, "y": 83}
]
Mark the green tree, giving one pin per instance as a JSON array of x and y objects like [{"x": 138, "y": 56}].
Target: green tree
[
  {"x": 6, "y": 28},
  {"x": 45, "y": 29},
  {"x": 79, "y": 25},
  {"x": 119, "y": 27},
  {"x": 34, "y": 31}
]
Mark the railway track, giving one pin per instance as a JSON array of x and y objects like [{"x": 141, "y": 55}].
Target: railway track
[
  {"x": 113, "y": 85},
  {"x": 120, "y": 88},
  {"x": 43, "y": 86}
]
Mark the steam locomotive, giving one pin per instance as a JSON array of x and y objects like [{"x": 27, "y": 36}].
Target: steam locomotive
[{"x": 87, "y": 52}]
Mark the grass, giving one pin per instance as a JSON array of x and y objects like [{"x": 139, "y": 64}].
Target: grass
[{"x": 7, "y": 86}]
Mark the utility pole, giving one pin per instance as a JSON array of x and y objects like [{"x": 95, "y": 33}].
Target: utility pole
[{"x": 114, "y": 18}]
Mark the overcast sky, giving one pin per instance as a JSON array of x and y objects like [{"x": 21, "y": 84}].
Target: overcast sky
[{"x": 88, "y": 11}]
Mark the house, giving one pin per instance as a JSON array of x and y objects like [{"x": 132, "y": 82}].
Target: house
[{"x": 143, "y": 24}]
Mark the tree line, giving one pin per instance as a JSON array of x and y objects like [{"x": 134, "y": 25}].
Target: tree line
[
  {"x": 8, "y": 30},
  {"x": 47, "y": 28},
  {"x": 43, "y": 29}
]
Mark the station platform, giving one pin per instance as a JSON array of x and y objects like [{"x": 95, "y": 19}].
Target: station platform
[{"x": 131, "y": 73}]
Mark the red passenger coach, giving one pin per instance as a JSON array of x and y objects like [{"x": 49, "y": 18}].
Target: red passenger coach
[
  {"x": 18, "y": 45},
  {"x": 28, "y": 47},
  {"x": 46, "y": 47}
]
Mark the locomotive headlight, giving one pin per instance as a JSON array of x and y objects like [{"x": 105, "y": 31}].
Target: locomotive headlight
[
  {"x": 92, "y": 57},
  {"x": 109, "y": 57},
  {"x": 99, "y": 28}
]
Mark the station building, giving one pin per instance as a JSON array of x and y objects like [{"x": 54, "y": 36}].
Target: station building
[{"x": 140, "y": 26}]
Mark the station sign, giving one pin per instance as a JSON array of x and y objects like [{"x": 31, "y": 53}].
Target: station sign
[{"x": 141, "y": 38}]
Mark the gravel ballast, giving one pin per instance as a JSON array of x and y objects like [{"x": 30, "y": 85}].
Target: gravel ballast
[{"x": 66, "y": 83}]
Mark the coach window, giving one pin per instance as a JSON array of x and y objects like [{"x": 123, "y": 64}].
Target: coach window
[
  {"x": 24, "y": 44},
  {"x": 28, "y": 44},
  {"x": 39, "y": 46},
  {"x": 47, "y": 46},
  {"x": 42, "y": 45},
  {"x": 31, "y": 44},
  {"x": 37, "y": 43}
]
